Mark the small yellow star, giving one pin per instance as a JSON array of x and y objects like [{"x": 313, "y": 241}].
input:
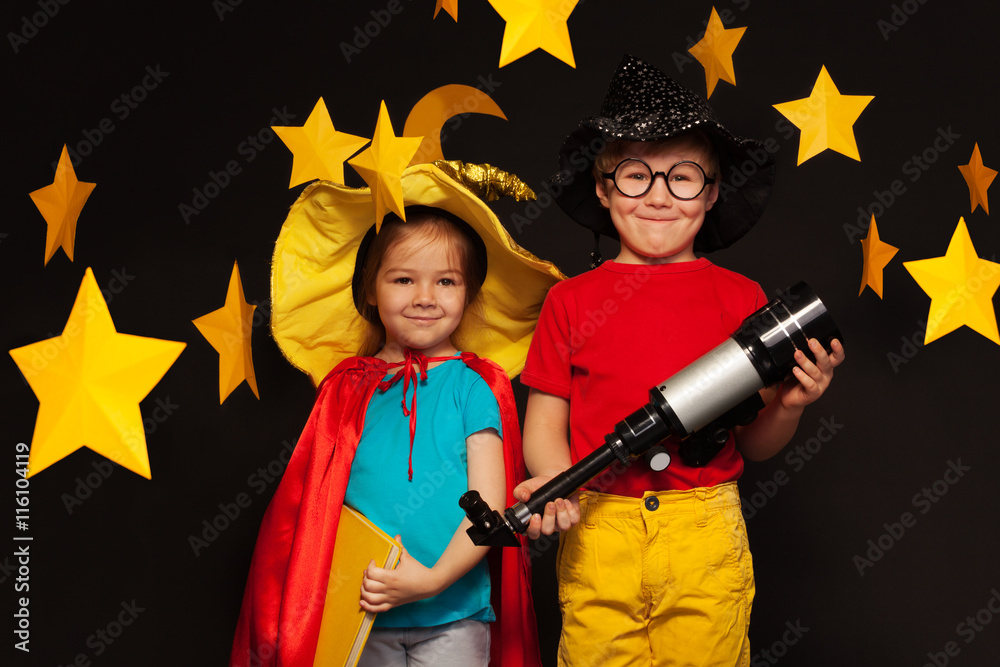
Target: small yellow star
[
  {"x": 229, "y": 330},
  {"x": 876, "y": 256},
  {"x": 450, "y": 6},
  {"x": 61, "y": 204},
  {"x": 961, "y": 288},
  {"x": 319, "y": 150},
  {"x": 715, "y": 51},
  {"x": 535, "y": 24},
  {"x": 826, "y": 119},
  {"x": 978, "y": 177},
  {"x": 382, "y": 165},
  {"x": 89, "y": 382}
]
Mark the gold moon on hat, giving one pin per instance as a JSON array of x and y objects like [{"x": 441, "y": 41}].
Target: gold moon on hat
[{"x": 428, "y": 116}]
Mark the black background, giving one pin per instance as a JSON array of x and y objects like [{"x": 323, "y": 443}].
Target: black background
[{"x": 903, "y": 412}]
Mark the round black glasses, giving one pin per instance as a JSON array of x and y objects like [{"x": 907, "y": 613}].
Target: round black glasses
[{"x": 634, "y": 178}]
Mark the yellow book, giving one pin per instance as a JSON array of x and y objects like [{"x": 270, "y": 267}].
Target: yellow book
[{"x": 345, "y": 626}]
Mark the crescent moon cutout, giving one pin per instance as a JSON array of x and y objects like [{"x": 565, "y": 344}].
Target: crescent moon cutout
[{"x": 434, "y": 109}]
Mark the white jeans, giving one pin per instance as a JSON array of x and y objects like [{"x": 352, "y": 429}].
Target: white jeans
[{"x": 464, "y": 643}]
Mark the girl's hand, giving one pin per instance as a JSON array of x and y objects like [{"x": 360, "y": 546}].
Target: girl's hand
[
  {"x": 812, "y": 379},
  {"x": 559, "y": 515},
  {"x": 383, "y": 589}
]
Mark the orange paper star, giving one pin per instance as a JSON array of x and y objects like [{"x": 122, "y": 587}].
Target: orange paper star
[
  {"x": 450, "y": 6},
  {"x": 876, "y": 256},
  {"x": 319, "y": 150},
  {"x": 229, "y": 330},
  {"x": 961, "y": 288},
  {"x": 826, "y": 119},
  {"x": 535, "y": 24},
  {"x": 382, "y": 165},
  {"x": 978, "y": 177},
  {"x": 89, "y": 382},
  {"x": 715, "y": 51},
  {"x": 60, "y": 204}
]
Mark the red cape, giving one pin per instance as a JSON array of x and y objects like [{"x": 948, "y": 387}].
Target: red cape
[{"x": 286, "y": 588}]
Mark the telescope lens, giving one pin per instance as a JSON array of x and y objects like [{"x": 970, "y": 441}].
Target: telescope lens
[{"x": 772, "y": 334}]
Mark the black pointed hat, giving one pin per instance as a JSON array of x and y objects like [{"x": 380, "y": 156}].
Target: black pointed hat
[{"x": 644, "y": 104}]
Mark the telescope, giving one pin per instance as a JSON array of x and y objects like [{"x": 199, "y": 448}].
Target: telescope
[{"x": 699, "y": 404}]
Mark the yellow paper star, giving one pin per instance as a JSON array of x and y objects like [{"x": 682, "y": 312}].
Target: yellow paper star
[
  {"x": 450, "y": 6},
  {"x": 229, "y": 330},
  {"x": 961, "y": 288},
  {"x": 876, "y": 256},
  {"x": 715, "y": 51},
  {"x": 826, "y": 119},
  {"x": 535, "y": 24},
  {"x": 319, "y": 150},
  {"x": 89, "y": 382},
  {"x": 60, "y": 204},
  {"x": 382, "y": 166},
  {"x": 978, "y": 177}
]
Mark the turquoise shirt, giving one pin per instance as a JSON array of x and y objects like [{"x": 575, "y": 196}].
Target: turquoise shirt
[{"x": 452, "y": 404}]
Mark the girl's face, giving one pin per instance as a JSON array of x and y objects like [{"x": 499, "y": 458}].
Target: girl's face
[{"x": 420, "y": 296}]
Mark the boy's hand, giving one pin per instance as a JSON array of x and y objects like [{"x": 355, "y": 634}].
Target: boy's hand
[
  {"x": 383, "y": 589},
  {"x": 812, "y": 379},
  {"x": 560, "y": 515}
]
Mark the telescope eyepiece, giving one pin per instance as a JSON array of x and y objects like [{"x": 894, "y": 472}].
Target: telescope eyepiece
[{"x": 477, "y": 509}]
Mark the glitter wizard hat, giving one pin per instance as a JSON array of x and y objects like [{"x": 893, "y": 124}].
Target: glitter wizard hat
[
  {"x": 314, "y": 319},
  {"x": 644, "y": 104}
]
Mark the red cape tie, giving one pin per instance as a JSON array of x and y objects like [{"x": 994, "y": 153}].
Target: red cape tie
[{"x": 408, "y": 372}]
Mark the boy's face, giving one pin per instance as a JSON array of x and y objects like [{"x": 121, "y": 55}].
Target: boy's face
[{"x": 657, "y": 228}]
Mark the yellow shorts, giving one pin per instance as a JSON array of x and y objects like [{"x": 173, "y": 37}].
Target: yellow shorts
[{"x": 666, "y": 579}]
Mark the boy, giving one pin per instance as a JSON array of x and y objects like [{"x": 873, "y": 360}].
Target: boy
[{"x": 654, "y": 567}]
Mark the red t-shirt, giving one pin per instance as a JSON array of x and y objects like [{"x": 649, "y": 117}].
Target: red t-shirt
[{"x": 605, "y": 337}]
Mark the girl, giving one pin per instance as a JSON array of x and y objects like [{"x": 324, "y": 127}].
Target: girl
[
  {"x": 423, "y": 299},
  {"x": 419, "y": 278}
]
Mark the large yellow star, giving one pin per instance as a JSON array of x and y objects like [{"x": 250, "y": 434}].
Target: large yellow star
[
  {"x": 826, "y": 119},
  {"x": 319, "y": 150},
  {"x": 978, "y": 177},
  {"x": 60, "y": 204},
  {"x": 876, "y": 255},
  {"x": 89, "y": 382},
  {"x": 450, "y": 6},
  {"x": 715, "y": 51},
  {"x": 535, "y": 24},
  {"x": 382, "y": 166},
  {"x": 961, "y": 288},
  {"x": 229, "y": 330}
]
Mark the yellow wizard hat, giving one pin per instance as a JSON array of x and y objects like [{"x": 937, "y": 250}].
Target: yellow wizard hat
[{"x": 313, "y": 316}]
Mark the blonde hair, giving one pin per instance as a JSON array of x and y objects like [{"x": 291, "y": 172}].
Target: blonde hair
[{"x": 424, "y": 225}]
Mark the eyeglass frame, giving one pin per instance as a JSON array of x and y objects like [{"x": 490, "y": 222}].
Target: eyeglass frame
[{"x": 709, "y": 180}]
